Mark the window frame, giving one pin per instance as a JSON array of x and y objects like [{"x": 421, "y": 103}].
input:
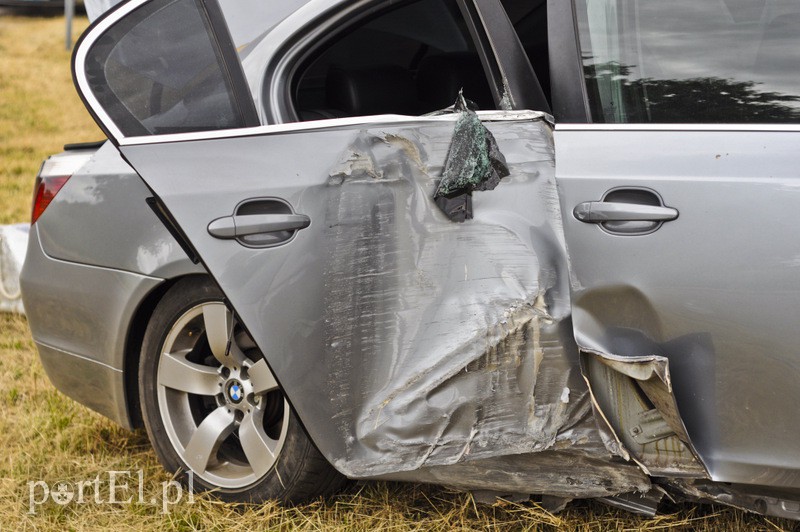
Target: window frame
[
  {"x": 568, "y": 89},
  {"x": 329, "y": 28},
  {"x": 484, "y": 19},
  {"x": 309, "y": 54},
  {"x": 296, "y": 35}
]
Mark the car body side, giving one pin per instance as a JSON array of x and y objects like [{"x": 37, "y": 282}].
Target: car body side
[
  {"x": 91, "y": 323},
  {"x": 126, "y": 281},
  {"x": 107, "y": 188}
]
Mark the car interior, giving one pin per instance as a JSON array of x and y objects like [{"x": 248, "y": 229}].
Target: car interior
[{"x": 411, "y": 60}]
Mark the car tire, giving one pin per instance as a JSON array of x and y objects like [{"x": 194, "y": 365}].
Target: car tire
[{"x": 213, "y": 410}]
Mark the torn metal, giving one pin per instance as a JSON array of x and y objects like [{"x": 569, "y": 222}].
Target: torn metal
[
  {"x": 453, "y": 344},
  {"x": 633, "y": 397},
  {"x": 755, "y": 499},
  {"x": 418, "y": 349}
]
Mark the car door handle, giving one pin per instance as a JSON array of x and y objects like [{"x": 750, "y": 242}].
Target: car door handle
[
  {"x": 606, "y": 211},
  {"x": 255, "y": 224}
]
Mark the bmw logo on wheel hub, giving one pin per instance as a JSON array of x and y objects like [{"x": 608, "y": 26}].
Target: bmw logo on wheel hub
[{"x": 235, "y": 392}]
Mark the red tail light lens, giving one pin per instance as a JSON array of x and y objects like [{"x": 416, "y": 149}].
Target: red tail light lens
[{"x": 46, "y": 190}]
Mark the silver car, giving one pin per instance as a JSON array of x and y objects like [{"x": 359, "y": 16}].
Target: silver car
[{"x": 517, "y": 247}]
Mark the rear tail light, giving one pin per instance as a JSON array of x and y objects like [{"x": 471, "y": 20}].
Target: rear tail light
[
  {"x": 55, "y": 173},
  {"x": 45, "y": 190}
]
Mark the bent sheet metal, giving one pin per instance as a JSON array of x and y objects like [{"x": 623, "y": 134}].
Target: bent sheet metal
[
  {"x": 411, "y": 346},
  {"x": 453, "y": 341}
]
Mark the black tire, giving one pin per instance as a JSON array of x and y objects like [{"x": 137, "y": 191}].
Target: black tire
[{"x": 299, "y": 471}]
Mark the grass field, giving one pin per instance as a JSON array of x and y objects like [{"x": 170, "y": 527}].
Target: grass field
[{"x": 48, "y": 438}]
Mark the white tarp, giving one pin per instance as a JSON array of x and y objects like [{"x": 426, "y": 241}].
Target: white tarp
[{"x": 13, "y": 246}]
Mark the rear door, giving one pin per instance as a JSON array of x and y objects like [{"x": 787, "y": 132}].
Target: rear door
[
  {"x": 680, "y": 204},
  {"x": 402, "y": 338}
]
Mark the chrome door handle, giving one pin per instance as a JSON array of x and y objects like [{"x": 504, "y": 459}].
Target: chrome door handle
[
  {"x": 606, "y": 211},
  {"x": 254, "y": 224}
]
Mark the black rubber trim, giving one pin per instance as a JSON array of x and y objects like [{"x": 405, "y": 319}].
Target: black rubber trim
[
  {"x": 516, "y": 73},
  {"x": 177, "y": 233},
  {"x": 84, "y": 145},
  {"x": 567, "y": 84},
  {"x": 484, "y": 48},
  {"x": 230, "y": 61}
]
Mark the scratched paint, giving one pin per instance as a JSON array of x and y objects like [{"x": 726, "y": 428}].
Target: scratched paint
[{"x": 477, "y": 365}]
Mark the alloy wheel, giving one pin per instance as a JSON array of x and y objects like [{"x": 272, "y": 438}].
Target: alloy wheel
[{"x": 221, "y": 406}]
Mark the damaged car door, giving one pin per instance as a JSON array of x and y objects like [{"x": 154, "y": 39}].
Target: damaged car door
[{"x": 405, "y": 341}]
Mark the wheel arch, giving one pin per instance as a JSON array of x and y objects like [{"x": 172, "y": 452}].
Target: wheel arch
[
  {"x": 133, "y": 350},
  {"x": 133, "y": 347}
]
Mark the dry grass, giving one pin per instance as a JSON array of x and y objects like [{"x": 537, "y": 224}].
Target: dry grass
[
  {"x": 39, "y": 109},
  {"x": 47, "y": 437}
]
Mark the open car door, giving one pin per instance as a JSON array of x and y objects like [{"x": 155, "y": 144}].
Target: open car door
[{"x": 402, "y": 338}]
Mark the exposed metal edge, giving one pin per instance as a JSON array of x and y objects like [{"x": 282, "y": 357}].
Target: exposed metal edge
[
  {"x": 76, "y": 355},
  {"x": 679, "y": 127},
  {"x": 620, "y": 449},
  {"x": 620, "y": 446},
  {"x": 645, "y": 504},
  {"x": 322, "y": 125}
]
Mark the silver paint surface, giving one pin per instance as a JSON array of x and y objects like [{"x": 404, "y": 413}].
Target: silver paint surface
[
  {"x": 713, "y": 291},
  {"x": 404, "y": 341},
  {"x": 87, "y": 381},
  {"x": 105, "y": 199},
  {"x": 80, "y": 324}
]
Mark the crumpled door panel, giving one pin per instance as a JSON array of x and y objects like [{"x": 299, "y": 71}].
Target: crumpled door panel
[{"x": 412, "y": 346}]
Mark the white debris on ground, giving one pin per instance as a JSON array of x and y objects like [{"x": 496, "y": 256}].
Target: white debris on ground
[{"x": 13, "y": 246}]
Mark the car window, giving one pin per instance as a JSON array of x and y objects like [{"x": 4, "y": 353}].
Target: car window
[
  {"x": 721, "y": 61},
  {"x": 411, "y": 59},
  {"x": 147, "y": 91}
]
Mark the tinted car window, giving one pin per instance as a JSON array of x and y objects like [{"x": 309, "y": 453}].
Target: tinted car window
[
  {"x": 409, "y": 59},
  {"x": 160, "y": 71},
  {"x": 722, "y": 61}
]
